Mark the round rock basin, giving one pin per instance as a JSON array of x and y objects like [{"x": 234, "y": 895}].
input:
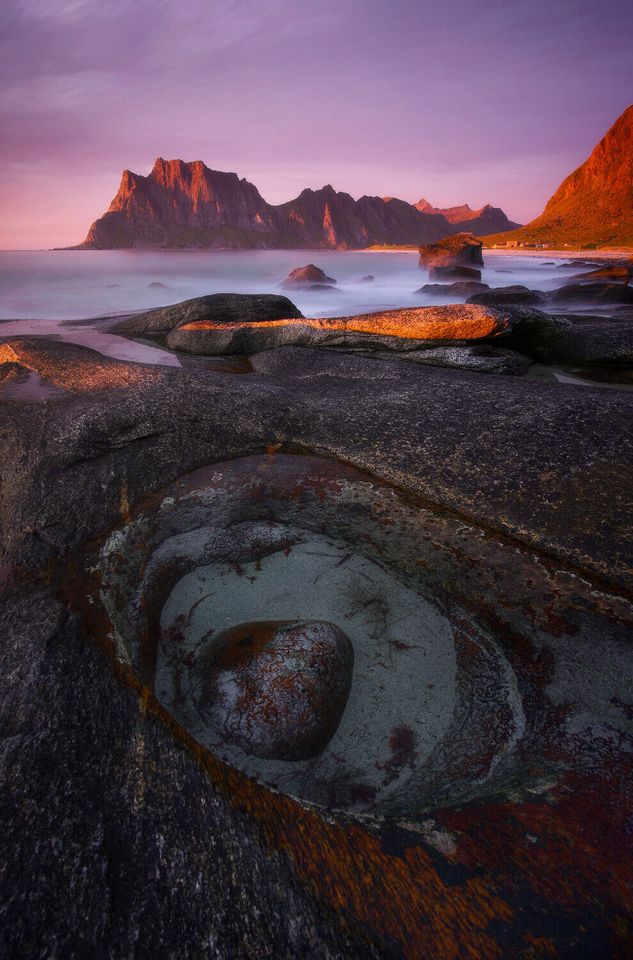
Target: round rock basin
[
  {"x": 278, "y": 690},
  {"x": 347, "y": 645}
]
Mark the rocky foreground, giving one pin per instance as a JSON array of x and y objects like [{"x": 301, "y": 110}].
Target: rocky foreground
[{"x": 447, "y": 553}]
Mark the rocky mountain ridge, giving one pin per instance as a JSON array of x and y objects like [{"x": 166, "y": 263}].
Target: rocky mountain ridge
[
  {"x": 594, "y": 204},
  {"x": 181, "y": 205}
]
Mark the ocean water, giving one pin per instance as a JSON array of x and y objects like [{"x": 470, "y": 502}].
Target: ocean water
[{"x": 77, "y": 284}]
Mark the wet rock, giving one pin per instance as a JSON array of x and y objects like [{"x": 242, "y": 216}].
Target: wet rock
[
  {"x": 459, "y": 250},
  {"x": 515, "y": 294},
  {"x": 461, "y": 288},
  {"x": 455, "y": 272},
  {"x": 219, "y": 307},
  {"x": 367, "y": 278},
  {"x": 278, "y": 691},
  {"x": 596, "y": 294},
  {"x": 302, "y": 276},
  {"x": 72, "y": 368}
]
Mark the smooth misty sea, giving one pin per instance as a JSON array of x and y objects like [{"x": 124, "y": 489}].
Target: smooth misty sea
[{"x": 49, "y": 287}]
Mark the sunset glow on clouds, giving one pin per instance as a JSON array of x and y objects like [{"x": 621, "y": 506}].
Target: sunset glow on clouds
[{"x": 490, "y": 102}]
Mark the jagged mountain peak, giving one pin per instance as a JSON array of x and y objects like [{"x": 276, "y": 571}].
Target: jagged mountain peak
[
  {"x": 186, "y": 204},
  {"x": 594, "y": 204}
]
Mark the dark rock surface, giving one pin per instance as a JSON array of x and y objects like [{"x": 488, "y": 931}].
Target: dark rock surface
[
  {"x": 218, "y": 307},
  {"x": 461, "y": 288},
  {"x": 123, "y": 836},
  {"x": 594, "y": 340},
  {"x": 310, "y": 274},
  {"x": 460, "y": 250},
  {"x": 515, "y": 293},
  {"x": 279, "y": 690},
  {"x": 455, "y": 272},
  {"x": 481, "y": 358},
  {"x": 593, "y": 294},
  {"x": 618, "y": 273}
]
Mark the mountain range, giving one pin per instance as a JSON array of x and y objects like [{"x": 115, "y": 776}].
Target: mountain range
[
  {"x": 593, "y": 206},
  {"x": 182, "y": 205}
]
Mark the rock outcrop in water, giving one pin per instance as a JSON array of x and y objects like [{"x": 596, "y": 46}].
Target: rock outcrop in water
[
  {"x": 216, "y": 307},
  {"x": 594, "y": 204},
  {"x": 181, "y": 205},
  {"x": 308, "y": 276}
]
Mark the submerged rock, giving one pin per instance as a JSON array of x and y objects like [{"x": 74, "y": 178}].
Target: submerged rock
[
  {"x": 301, "y": 276},
  {"x": 219, "y": 307},
  {"x": 278, "y": 690}
]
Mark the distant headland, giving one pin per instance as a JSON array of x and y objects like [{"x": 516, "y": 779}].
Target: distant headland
[{"x": 187, "y": 205}]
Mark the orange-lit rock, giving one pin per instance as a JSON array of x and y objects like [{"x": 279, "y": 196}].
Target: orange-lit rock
[{"x": 397, "y": 330}]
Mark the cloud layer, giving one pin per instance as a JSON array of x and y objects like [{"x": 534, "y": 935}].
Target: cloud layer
[{"x": 494, "y": 101}]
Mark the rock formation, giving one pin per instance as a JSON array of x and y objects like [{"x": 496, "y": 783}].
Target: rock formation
[
  {"x": 461, "y": 250},
  {"x": 471, "y": 537},
  {"x": 180, "y": 205},
  {"x": 216, "y": 307},
  {"x": 594, "y": 204},
  {"x": 394, "y": 330}
]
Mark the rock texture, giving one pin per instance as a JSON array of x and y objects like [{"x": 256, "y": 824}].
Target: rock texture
[
  {"x": 395, "y": 330},
  {"x": 217, "y": 307},
  {"x": 515, "y": 293},
  {"x": 507, "y": 502},
  {"x": 461, "y": 250},
  {"x": 460, "y": 288},
  {"x": 594, "y": 340},
  {"x": 188, "y": 205},
  {"x": 278, "y": 691},
  {"x": 594, "y": 204}
]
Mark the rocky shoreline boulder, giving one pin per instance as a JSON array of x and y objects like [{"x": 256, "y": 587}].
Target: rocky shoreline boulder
[
  {"x": 516, "y": 293},
  {"x": 216, "y": 307},
  {"x": 521, "y": 328}
]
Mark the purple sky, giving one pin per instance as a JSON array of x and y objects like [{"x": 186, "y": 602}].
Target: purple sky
[{"x": 457, "y": 101}]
